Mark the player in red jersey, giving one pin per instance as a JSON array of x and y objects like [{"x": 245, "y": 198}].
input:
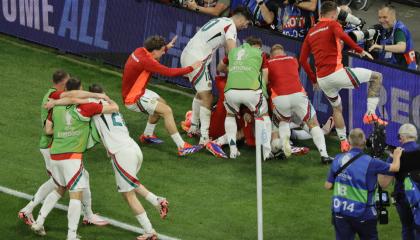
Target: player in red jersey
[
  {"x": 324, "y": 41},
  {"x": 288, "y": 97},
  {"x": 140, "y": 65}
]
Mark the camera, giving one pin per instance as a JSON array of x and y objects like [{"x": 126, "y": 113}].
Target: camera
[
  {"x": 359, "y": 35},
  {"x": 376, "y": 144},
  {"x": 349, "y": 18}
]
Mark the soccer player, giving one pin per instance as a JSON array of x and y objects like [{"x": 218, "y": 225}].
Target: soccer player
[
  {"x": 288, "y": 97},
  {"x": 59, "y": 80},
  {"x": 71, "y": 133},
  {"x": 138, "y": 69},
  {"x": 324, "y": 41},
  {"x": 126, "y": 158},
  {"x": 218, "y": 32},
  {"x": 244, "y": 86}
]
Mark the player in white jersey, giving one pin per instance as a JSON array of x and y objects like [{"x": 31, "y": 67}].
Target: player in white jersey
[
  {"x": 218, "y": 32},
  {"x": 126, "y": 159}
]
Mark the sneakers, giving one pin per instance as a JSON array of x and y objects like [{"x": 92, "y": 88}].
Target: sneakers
[
  {"x": 372, "y": 118},
  {"x": 163, "y": 207},
  {"x": 188, "y": 149},
  {"x": 215, "y": 149},
  {"x": 287, "y": 149},
  {"x": 299, "y": 150},
  {"x": 95, "y": 219},
  {"x": 344, "y": 146},
  {"x": 150, "y": 139},
  {"x": 38, "y": 229},
  {"x": 326, "y": 160},
  {"x": 27, "y": 219},
  {"x": 234, "y": 153},
  {"x": 148, "y": 236}
]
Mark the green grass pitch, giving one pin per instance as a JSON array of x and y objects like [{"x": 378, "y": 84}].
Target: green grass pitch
[{"x": 209, "y": 198}]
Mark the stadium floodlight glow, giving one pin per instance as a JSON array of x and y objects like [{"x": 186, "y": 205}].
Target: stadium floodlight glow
[{"x": 260, "y": 138}]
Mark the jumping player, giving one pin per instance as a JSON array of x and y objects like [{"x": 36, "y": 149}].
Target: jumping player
[
  {"x": 288, "y": 97},
  {"x": 218, "y": 32},
  {"x": 324, "y": 41},
  {"x": 138, "y": 69},
  {"x": 59, "y": 80}
]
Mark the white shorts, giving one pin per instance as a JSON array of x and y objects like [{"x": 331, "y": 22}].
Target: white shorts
[
  {"x": 126, "y": 164},
  {"x": 69, "y": 173},
  {"x": 147, "y": 103},
  {"x": 254, "y": 100},
  {"x": 285, "y": 106},
  {"x": 344, "y": 78},
  {"x": 200, "y": 78},
  {"x": 47, "y": 159}
]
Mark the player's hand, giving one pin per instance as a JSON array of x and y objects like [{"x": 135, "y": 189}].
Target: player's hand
[
  {"x": 316, "y": 87},
  {"x": 197, "y": 64},
  {"x": 171, "y": 44},
  {"x": 103, "y": 96},
  {"x": 366, "y": 54},
  {"x": 247, "y": 118},
  {"x": 50, "y": 104},
  {"x": 192, "y": 5}
]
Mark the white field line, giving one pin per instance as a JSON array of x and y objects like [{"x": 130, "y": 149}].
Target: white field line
[
  {"x": 109, "y": 71},
  {"x": 111, "y": 221}
]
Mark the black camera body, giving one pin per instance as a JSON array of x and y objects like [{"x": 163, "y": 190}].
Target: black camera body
[{"x": 377, "y": 145}]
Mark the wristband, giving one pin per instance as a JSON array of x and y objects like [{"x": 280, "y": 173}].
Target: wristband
[{"x": 383, "y": 48}]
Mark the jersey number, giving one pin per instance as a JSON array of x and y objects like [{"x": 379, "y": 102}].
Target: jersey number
[
  {"x": 117, "y": 120},
  {"x": 210, "y": 24}
]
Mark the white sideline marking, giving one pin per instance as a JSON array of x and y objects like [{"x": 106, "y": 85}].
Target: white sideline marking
[{"x": 111, "y": 221}]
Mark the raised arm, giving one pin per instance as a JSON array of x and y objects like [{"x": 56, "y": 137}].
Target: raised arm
[
  {"x": 396, "y": 156},
  {"x": 65, "y": 101},
  {"x": 112, "y": 107}
]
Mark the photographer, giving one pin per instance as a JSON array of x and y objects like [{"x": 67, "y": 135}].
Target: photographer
[
  {"x": 395, "y": 44},
  {"x": 353, "y": 176},
  {"x": 408, "y": 137},
  {"x": 212, "y": 7},
  {"x": 263, "y": 12},
  {"x": 296, "y": 17}
]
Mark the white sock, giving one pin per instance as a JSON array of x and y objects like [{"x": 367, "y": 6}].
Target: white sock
[
  {"x": 372, "y": 103},
  {"x": 284, "y": 131},
  {"x": 47, "y": 206},
  {"x": 152, "y": 198},
  {"x": 149, "y": 129},
  {"x": 231, "y": 129},
  {"x": 319, "y": 140},
  {"x": 87, "y": 198},
  {"x": 267, "y": 144},
  {"x": 195, "y": 116},
  {"x": 73, "y": 217},
  {"x": 43, "y": 191},
  {"x": 145, "y": 222},
  {"x": 178, "y": 140},
  {"x": 222, "y": 140},
  {"x": 205, "y": 123},
  {"x": 341, "y": 133}
]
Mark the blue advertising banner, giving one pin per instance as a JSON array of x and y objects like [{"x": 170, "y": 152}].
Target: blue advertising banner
[
  {"x": 110, "y": 30},
  {"x": 399, "y": 101}
]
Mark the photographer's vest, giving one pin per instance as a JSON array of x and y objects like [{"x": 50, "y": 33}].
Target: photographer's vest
[
  {"x": 350, "y": 187},
  {"x": 295, "y": 22},
  {"x": 72, "y": 131},
  {"x": 409, "y": 54},
  {"x": 412, "y": 192},
  {"x": 45, "y": 139},
  {"x": 244, "y": 68}
]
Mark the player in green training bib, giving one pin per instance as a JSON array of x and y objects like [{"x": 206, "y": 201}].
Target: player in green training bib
[{"x": 245, "y": 86}]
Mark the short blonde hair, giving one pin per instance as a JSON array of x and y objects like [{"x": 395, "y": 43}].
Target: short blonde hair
[
  {"x": 357, "y": 137},
  {"x": 408, "y": 130},
  {"x": 276, "y": 47}
]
